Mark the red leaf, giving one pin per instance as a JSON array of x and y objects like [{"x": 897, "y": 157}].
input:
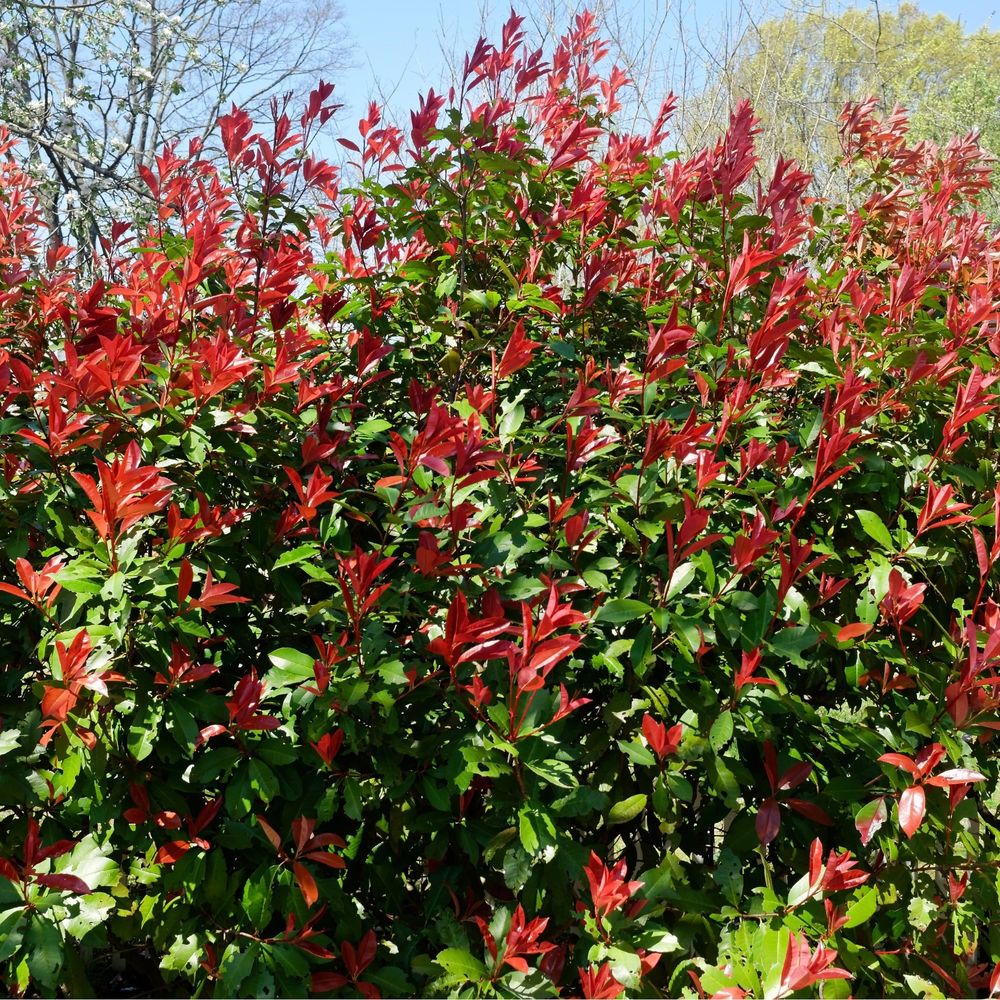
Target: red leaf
[
  {"x": 350, "y": 958},
  {"x": 259, "y": 722},
  {"x": 899, "y": 760},
  {"x": 981, "y": 556},
  {"x": 270, "y": 833},
  {"x": 952, "y": 983},
  {"x": 328, "y": 859},
  {"x": 9, "y": 588},
  {"x": 768, "y": 821},
  {"x": 56, "y": 850},
  {"x": 167, "y": 819},
  {"x": 302, "y": 829},
  {"x": 517, "y": 354},
  {"x": 956, "y": 776},
  {"x": 208, "y": 732},
  {"x": 327, "y": 982},
  {"x": 307, "y": 884},
  {"x": 170, "y": 853},
  {"x": 64, "y": 883},
  {"x": 185, "y": 577},
  {"x": 329, "y": 745},
  {"x": 849, "y": 632},
  {"x": 911, "y": 809},
  {"x": 206, "y": 815},
  {"x": 367, "y": 947},
  {"x": 811, "y": 811},
  {"x": 771, "y": 764},
  {"x": 795, "y": 775},
  {"x": 57, "y": 703}
]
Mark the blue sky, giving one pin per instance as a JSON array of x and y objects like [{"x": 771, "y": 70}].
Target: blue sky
[{"x": 396, "y": 45}]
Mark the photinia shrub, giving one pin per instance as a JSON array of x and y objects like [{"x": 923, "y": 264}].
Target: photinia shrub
[{"x": 530, "y": 564}]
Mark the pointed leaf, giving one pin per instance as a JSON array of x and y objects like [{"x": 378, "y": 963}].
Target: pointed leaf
[
  {"x": 307, "y": 884},
  {"x": 874, "y": 528},
  {"x": 853, "y": 631},
  {"x": 956, "y": 776},
  {"x": 911, "y": 809},
  {"x": 64, "y": 883},
  {"x": 869, "y": 818},
  {"x": 768, "y": 821}
]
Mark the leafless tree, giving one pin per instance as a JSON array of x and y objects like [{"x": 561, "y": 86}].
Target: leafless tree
[{"x": 96, "y": 87}]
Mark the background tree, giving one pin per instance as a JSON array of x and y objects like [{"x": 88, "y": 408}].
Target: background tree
[
  {"x": 800, "y": 69},
  {"x": 97, "y": 88}
]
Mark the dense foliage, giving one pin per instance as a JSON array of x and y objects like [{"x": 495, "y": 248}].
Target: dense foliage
[{"x": 549, "y": 569}]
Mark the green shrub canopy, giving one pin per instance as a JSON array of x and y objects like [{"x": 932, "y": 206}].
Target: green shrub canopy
[{"x": 548, "y": 568}]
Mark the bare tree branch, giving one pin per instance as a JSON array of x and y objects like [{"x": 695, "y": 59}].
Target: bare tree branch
[{"x": 97, "y": 88}]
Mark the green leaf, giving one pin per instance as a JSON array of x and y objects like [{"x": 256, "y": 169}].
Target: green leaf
[
  {"x": 13, "y": 925},
  {"x": 626, "y": 529},
  {"x": 656, "y": 939},
  {"x": 460, "y": 967},
  {"x": 181, "y": 726},
  {"x": 390, "y": 980},
  {"x": 622, "y": 609},
  {"x": 637, "y": 753},
  {"x": 715, "y": 980},
  {"x": 299, "y": 554},
  {"x": 91, "y": 862},
  {"x": 641, "y": 647},
  {"x": 510, "y": 422},
  {"x": 875, "y": 528},
  {"x": 722, "y": 731},
  {"x": 728, "y": 875},
  {"x": 239, "y": 796},
  {"x": 82, "y": 576},
  {"x": 447, "y": 283},
  {"x": 625, "y": 965},
  {"x": 791, "y": 641},
  {"x": 258, "y": 898},
  {"x": 44, "y": 948},
  {"x": 352, "y": 798},
  {"x": 289, "y": 667},
  {"x": 234, "y": 968},
  {"x": 681, "y": 579},
  {"x": 517, "y": 866},
  {"x": 182, "y": 955},
  {"x": 263, "y": 780},
  {"x": 919, "y": 986},
  {"x": 862, "y": 909},
  {"x": 555, "y": 772},
  {"x": 921, "y": 913},
  {"x": 145, "y": 730},
  {"x": 680, "y": 786},
  {"x": 529, "y": 839},
  {"x": 799, "y": 891},
  {"x": 214, "y": 763},
  {"x": 317, "y": 573},
  {"x": 370, "y": 428},
  {"x": 626, "y": 810},
  {"x": 9, "y": 740},
  {"x": 92, "y": 911}
]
